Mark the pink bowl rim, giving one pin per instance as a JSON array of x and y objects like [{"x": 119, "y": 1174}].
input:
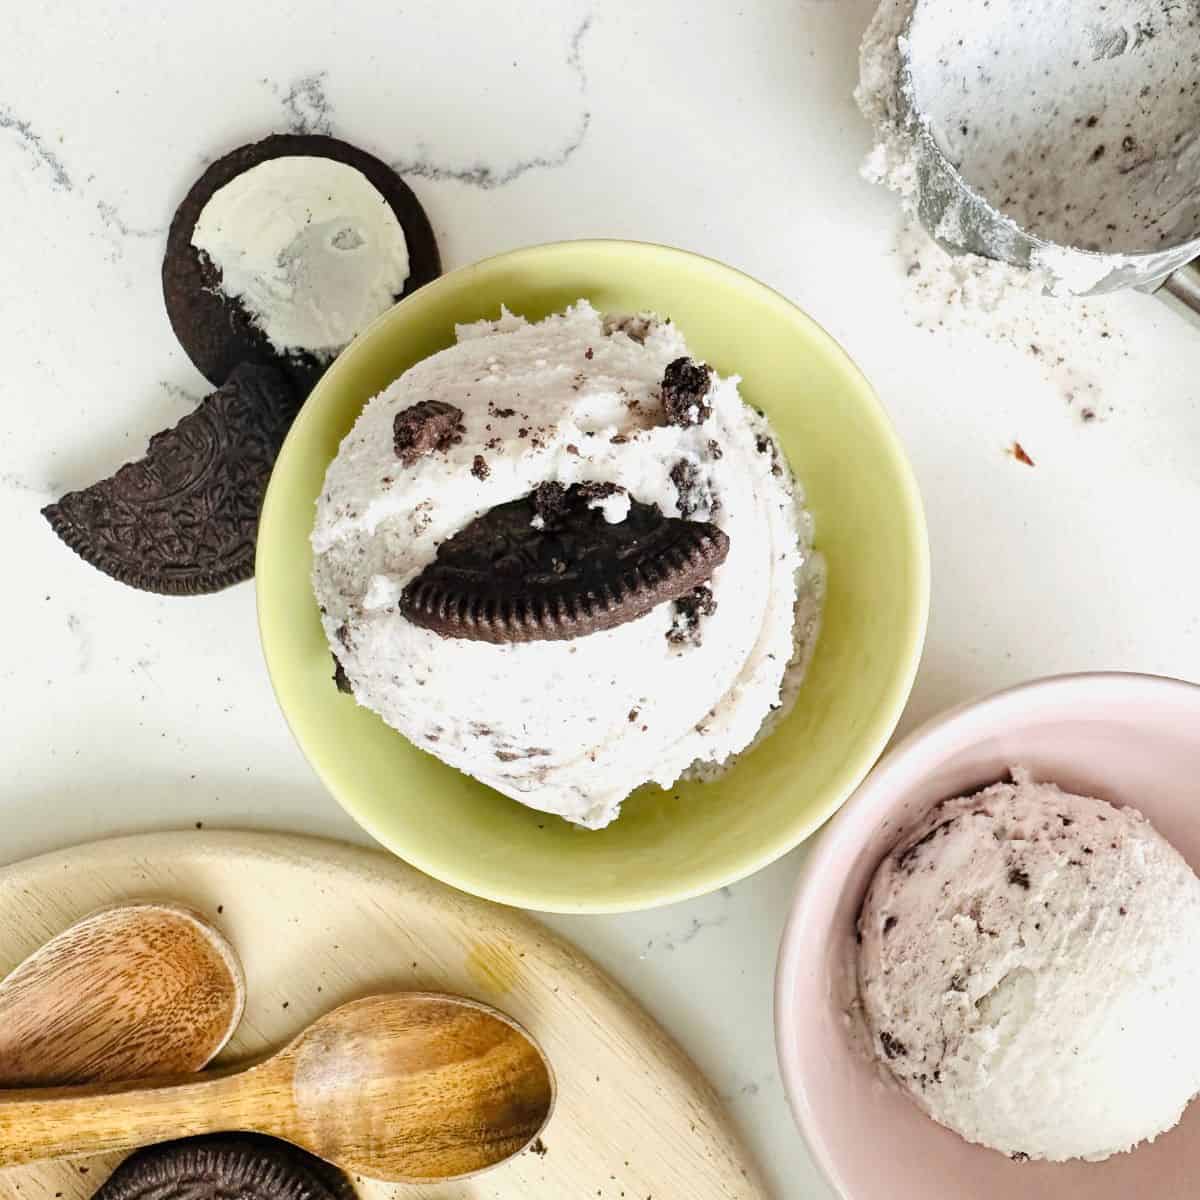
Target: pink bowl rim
[{"x": 954, "y": 727}]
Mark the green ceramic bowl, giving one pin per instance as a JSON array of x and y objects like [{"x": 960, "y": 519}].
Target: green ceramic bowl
[{"x": 666, "y": 846}]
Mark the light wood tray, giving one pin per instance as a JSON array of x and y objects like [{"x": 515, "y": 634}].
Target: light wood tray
[{"x": 318, "y": 923}]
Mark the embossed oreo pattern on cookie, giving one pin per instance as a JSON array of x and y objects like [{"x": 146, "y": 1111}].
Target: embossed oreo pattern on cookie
[
  {"x": 226, "y": 1167},
  {"x": 549, "y": 567},
  {"x": 183, "y": 519}
]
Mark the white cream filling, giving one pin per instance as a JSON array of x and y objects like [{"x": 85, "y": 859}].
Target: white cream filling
[{"x": 309, "y": 246}]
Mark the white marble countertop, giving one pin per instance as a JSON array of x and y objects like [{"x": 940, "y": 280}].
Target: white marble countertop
[{"x": 720, "y": 127}]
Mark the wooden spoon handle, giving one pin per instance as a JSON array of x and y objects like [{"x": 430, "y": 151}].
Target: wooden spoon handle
[{"x": 72, "y": 1122}]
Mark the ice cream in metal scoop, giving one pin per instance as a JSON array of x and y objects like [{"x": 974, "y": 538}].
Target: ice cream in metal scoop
[{"x": 1064, "y": 138}]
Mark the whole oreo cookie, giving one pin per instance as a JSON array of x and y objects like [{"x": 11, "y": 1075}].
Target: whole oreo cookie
[
  {"x": 215, "y": 329},
  {"x": 183, "y": 519},
  {"x": 226, "y": 1167},
  {"x": 550, "y": 567}
]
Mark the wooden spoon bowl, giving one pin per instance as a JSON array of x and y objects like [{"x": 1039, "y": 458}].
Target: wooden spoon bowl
[{"x": 131, "y": 991}]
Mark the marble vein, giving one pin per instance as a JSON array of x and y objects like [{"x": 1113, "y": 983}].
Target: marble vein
[
  {"x": 36, "y": 145},
  {"x": 180, "y": 395},
  {"x": 83, "y": 642},
  {"x": 481, "y": 175},
  {"x": 307, "y": 107},
  {"x": 18, "y": 483},
  {"x": 113, "y": 220}
]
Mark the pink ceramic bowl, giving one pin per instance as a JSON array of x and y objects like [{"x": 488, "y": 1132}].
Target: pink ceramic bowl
[{"x": 1131, "y": 739}]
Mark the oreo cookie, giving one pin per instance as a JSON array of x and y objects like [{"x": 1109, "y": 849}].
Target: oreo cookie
[
  {"x": 183, "y": 519},
  {"x": 229, "y": 1165},
  {"x": 685, "y": 387},
  {"x": 550, "y": 567},
  {"x": 214, "y": 329},
  {"x": 424, "y": 427}
]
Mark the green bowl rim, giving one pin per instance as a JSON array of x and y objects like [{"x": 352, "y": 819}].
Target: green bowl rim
[{"x": 872, "y": 744}]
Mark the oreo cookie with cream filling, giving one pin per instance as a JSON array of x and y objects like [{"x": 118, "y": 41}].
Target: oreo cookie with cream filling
[{"x": 314, "y": 267}]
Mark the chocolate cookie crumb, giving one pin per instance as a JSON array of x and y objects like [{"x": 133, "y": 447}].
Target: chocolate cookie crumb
[
  {"x": 689, "y": 610},
  {"x": 889, "y": 924},
  {"x": 598, "y": 491},
  {"x": 714, "y": 449},
  {"x": 1019, "y": 1156},
  {"x": 588, "y": 354},
  {"x": 637, "y": 328},
  {"x": 424, "y": 427},
  {"x": 340, "y": 678},
  {"x": 893, "y": 1047},
  {"x": 685, "y": 387},
  {"x": 695, "y": 491},
  {"x": 766, "y": 445},
  {"x": 479, "y": 467},
  {"x": 550, "y": 504},
  {"x": 1019, "y": 878}
]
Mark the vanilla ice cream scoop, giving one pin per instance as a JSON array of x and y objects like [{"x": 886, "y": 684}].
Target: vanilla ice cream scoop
[
  {"x": 469, "y": 452},
  {"x": 1029, "y": 970}
]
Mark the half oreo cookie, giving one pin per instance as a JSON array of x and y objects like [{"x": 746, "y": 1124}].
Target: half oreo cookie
[
  {"x": 550, "y": 567},
  {"x": 216, "y": 329},
  {"x": 183, "y": 519},
  {"x": 228, "y": 1166}
]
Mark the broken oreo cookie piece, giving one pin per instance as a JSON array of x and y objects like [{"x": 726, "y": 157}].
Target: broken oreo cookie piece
[
  {"x": 183, "y": 519},
  {"x": 548, "y": 567},
  {"x": 424, "y": 427},
  {"x": 685, "y": 387},
  {"x": 689, "y": 610},
  {"x": 227, "y": 1165},
  {"x": 215, "y": 329}
]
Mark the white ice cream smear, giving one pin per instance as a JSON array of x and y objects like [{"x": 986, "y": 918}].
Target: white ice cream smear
[
  {"x": 1079, "y": 121},
  {"x": 568, "y": 727},
  {"x": 309, "y": 246},
  {"x": 1030, "y": 972}
]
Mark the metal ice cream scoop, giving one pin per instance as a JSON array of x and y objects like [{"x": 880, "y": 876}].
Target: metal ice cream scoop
[{"x": 1099, "y": 38}]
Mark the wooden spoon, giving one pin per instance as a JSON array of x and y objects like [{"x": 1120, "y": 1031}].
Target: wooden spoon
[
  {"x": 406, "y": 1088},
  {"x": 130, "y": 991}
]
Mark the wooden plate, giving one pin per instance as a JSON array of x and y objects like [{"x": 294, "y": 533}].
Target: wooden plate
[{"x": 318, "y": 923}]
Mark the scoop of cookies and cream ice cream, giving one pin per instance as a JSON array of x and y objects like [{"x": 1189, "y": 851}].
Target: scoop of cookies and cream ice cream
[
  {"x": 592, "y": 421},
  {"x": 1029, "y": 970}
]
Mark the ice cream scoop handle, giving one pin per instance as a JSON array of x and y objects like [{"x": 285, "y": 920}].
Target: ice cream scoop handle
[{"x": 1181, "y": 290}]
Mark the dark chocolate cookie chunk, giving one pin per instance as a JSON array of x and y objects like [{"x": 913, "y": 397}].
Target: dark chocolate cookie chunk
[
  {"x": 215, "y": 329},
  {"x": 226, "y": 1167},
  {"x": 182, "y": 520},
  {"x": 689, "y": 611},
  {"x": 424, "y": 427},
  {"x": 684, "y": 392},
  {"x": 548, "y": 567},
  {"x": 340, "y": 679}
]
